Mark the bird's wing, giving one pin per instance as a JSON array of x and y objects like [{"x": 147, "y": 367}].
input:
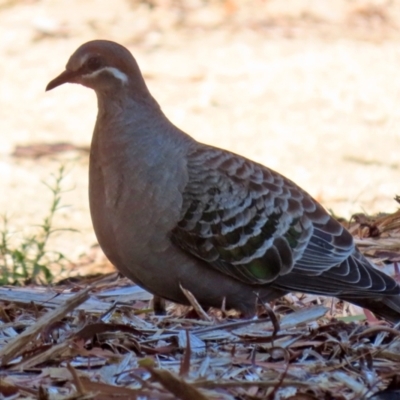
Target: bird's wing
[{"x": 253, "y": 224}]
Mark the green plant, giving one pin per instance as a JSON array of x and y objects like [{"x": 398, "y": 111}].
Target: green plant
[{"x": 26, "y": 258}]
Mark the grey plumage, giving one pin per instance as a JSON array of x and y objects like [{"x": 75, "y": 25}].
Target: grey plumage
[{"x": 168, "y": 210}]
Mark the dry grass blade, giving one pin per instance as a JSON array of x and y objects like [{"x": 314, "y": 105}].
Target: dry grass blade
[
  {"x": 50, "y": 354},
  {"x": 263, "y": 384},
  {"x": 78, "y": 384},
  {"x": 195, "y": 304},
  {"x": 185, "y": 364},
  {"x": 273, "y": 317},
  {"x": 178, "y": 387},
  {"x": 46, "y": 297}
]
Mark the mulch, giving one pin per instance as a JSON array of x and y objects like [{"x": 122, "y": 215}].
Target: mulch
[{"x": 98, "y": 338}]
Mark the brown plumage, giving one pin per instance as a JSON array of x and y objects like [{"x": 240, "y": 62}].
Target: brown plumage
[{"x": 170, "y": 211}]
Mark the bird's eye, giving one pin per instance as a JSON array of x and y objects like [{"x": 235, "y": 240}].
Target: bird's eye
[{"x": 93, "y": 64}]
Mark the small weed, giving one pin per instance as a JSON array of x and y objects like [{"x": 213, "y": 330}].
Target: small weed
[{"x": 26, "y": 259}]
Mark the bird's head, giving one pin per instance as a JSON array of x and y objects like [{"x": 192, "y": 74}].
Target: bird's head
[{"x": 103, "y": 66}]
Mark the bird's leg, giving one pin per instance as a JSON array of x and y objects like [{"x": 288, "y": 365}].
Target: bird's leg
[{"x": 158, "y": 305}]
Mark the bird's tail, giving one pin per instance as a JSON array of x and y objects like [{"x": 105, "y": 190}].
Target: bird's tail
[{"x": 387, "y": 307}]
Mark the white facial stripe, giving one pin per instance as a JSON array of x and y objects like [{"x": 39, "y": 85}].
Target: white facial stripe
[{"x": 114, "y": 71}]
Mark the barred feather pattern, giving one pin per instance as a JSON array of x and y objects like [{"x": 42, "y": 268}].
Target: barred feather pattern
[{"x": 252, "y": 223}]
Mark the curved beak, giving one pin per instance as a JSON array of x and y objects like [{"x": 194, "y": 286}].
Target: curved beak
[{"x": 65, "y": 77}]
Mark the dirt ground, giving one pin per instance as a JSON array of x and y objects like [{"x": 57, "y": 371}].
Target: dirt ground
[{"x": 308, "y": 88}]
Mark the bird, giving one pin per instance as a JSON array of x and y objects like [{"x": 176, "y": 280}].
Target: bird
[{"x": 171, "y": 212}]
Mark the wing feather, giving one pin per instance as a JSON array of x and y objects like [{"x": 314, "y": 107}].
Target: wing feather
[{"x": 251, "y": 223}]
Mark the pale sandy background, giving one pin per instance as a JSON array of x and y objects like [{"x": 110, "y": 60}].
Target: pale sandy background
[{"x": 309, "y": 88}]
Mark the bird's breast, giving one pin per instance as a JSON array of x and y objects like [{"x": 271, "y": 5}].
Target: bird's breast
[{"x": 134, "y": 202}]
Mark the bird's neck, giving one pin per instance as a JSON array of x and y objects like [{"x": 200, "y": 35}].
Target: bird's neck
[
  {"x": 136, "y": 128},
  {"x": 115, "y": 101},
  {"x": 127, "y": 111}
]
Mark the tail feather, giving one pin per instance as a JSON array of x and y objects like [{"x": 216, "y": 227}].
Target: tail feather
[{"x": 387, "y": 307}]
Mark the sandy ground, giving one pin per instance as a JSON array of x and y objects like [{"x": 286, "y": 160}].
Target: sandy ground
[{"x": 308, "y": 88}]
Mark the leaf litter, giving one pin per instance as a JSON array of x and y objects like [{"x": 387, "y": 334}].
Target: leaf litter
[{"x": 101, "y": 340}]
